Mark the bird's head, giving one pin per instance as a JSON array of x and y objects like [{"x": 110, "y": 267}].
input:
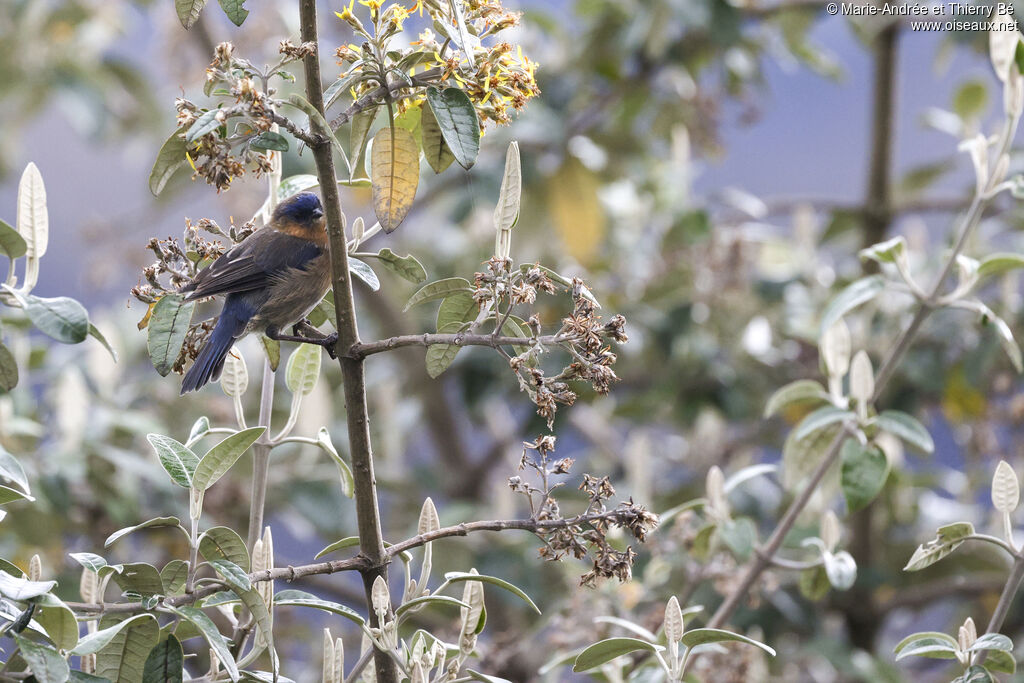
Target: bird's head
[{"x": 301, "y": 215}]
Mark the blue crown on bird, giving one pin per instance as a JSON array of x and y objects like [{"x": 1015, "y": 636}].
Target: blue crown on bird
[{"x": 301, "y": 215}]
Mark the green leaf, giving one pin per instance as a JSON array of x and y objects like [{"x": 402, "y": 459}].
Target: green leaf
[
  {"x": 429, "y": 600},
  {"x": 15, "y": 588},
  {"x": 95, "y": 333},
  {"x": 702, "y": 636},
  {"x": 165, "y": 662},
  {"x": 863, "y": 474},
  {"x": 219, "y": 459},
  {"x": 364, "y": 273},
  {"x": 46, "y": 664},
  {"x": 456, "y": 117},
  {"x": 885, "y": 252},
  {"x": 438, "y": 289},
  {"x": 261, "y": 615},
  {"x": 819, "y": 419},
  {"x": 607, "y": 650},
  {"x": 188, "y": 11},
  {"x": 94, "y": 642},
  {"x": 205, "y": 124},
  {"x": 970, "y": 99},
  {"x": 800, "y": 391},
  {"x": 154, "y": 523},
  {"x": 199, "y": 429},
  {"x": 123, "y": 659},
  {"x": 506, "y": 213},
  {"x": 317, "y": 121},
  {"x": 12, "y": 244},
  {"x": 740, "y": 535},
  {"x": 90, "y": 561},
  {"x": 348, "y": 483},
  {"x": 997, "y": 264},
  {"x": 173, "y": 577},
  {"x": 358, "y": 131},
  {"x": 177, "y": 459},
  {"x": 168, "y": 326},
  {"x": 272, "y": 348},
  {"x": 303, "y": 369},
  {"x": 1006, "y": 339},
  {"x": 455, "y": 312},
  {"x": 456, "y": 577},
  {"x": 907, "y": 428},
  {"x": 856, "y": 293},
  {"x": 8, "y": 369},
  {"x": 1001, "y": 662},
  {"x": 222, "y": 543},
  {"x": 931, "y": 644},
  {"x": 9, "y": 495},
  {"x": 141, "y": 578},
  {"x": 270, "y": 140},
  {"x": 801, "y": 456},
  {"x": 348, "y": 542},
  {"x": 296, "y": 598},
  {"x": 976, "y": 674},
  {"x": 60, "y": 318},
  {"x": 814, "y": 583},
  {"x": 407, "y": 267},
  {"x": 434, "y": 147},
  {"x": 232, "y": 573},
  {"x": 395, "y": 173},
  {"x": 172, "y": 153},
  {"x": 477, "y": 676},
  {"x": 947, "y": 539},
  {"x": 209, "y": 630},
  {"x": 992, "y": 641},
  {"x": 11, "y": 469}
]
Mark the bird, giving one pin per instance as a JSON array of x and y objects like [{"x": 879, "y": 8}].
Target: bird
[{"x": 271, "y": 280}]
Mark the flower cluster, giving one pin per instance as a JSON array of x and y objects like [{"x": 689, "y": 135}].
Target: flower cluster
[
  {"x": 496, "y": 77},
  {"x": 585, "y": 535}
]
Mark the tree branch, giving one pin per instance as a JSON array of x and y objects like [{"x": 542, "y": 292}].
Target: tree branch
[{"x": 361, "y": 350}]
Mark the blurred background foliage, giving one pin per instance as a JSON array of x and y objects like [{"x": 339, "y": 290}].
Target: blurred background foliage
[{"x": 710, "y": 168}]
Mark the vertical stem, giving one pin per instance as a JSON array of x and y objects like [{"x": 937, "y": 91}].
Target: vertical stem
[
  {"x": 261, "y": 458},
  {"x": 371, "y": 541},
  {"x": 877, "y": 211},
  {"x": 1006, "y": 597}
]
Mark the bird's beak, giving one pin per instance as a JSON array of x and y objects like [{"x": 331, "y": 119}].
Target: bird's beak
[{"x": 318, "y": 213}]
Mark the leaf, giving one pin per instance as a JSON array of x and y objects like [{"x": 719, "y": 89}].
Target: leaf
[
  {"x": 358, "y": 131},
  {"x": 234, "y": 377},
  {"x": 1005, "y": 488},
  {"x": 124, "y": 657},
  {"x": 12, "y": 244},
  {"x": 948, "y": 538},
  {"x": 348, "y": 542},
  {"x": 297, "y": 598},
  {"x": 11, "y": 469},
  {"x": 885, "y": 252},
  {"x": 434, "y": 147},
  {"x": 348, "y": 484},
  {"x": 455, "y": 577},
  {"x": 800, "y": 456},
  {"x": 970, "y": 99},
  {"x": 219, "y": 459},
  {"x": 477, "y": 676},
  {"x": 702, "y": 636},
  {"x": 931, "y": 644},
  {"x": 976, "y": 674},
  {"x": 841, "y": 569},
  {"x": 429, "y": 600},
  {"x": 800, "y": 391},
  {"x": 33, "y": 220},
  {"x": 506, "y": 213},
  {"x": 272, "y": 348},
  {"x": 95, "y": 333},
  {"x": 907, "y": 428},
  {"x": 204, "y": 125},
  {"x": 814, "y": 583},
  {"x": 439, "y": 289},
  {"x": 395, "y": 173},
  {"x": 863, "y": 473},
  {"x": 455, "y": 311},
  {"x": 60, "y": 318},
  {"x": 177, "y": 459},
  {"x": 165, "y": 662},
  {"x": 856, "y": 293},
  {"x": 269, "y": 140},
  {"x": 168, "y": 326},
  {"x": 1001, "y": 662},
  {"x": 364, "y": 273},
  {"x": 9, "y": 495},
  {"x": 606, "y": 650},
  {"x": 574, "y": 202},
  {"x": 141, "y": 578},
  {"x": 222, "y": 543},
  {"x": 997, "y": 264},
  {"x": 173, "y": 576},
  {"x": 819, "y": 419},
  {"x": 407, "y": 267},
  {"x": 261, "y": 615},
  {"x": 154, "y": 523},
  {"x": 303, "y": 369},
  {"x": 235, "y": 575},
  {"x": 172, "y": 153},
  {"x": 1009, "y": 344},
  {"x": 15, "y": 588},
  {"x": 992, "y": 641},
  {"x": 188, "y": 11},
  {"x": 216, "y": 641},
  {"x": 8, "y": 369},
  {"x": 46, "y": 664},
  {"x": 457, "y": 119},
  {"x": 94, "y": 642},
  {"x": 90, "y": 561},
  {"x": 740, "y": 535}
]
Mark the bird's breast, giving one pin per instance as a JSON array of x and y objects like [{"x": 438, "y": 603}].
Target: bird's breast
[{"x": 294, "y": 293}]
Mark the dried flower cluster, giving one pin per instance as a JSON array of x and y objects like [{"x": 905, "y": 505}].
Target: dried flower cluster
[
  {"x": 586, "y": 534},
  {"x": 582, "y": 334},
  {"x": 495, "y": 77}
]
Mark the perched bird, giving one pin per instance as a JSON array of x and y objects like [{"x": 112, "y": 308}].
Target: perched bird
[{"x": 272, "y": 280}]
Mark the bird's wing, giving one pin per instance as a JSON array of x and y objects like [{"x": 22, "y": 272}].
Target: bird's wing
[{"x": 253, "y": 264}]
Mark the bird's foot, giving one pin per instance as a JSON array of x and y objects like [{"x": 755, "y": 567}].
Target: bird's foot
[{"x": 329, "y": 343}]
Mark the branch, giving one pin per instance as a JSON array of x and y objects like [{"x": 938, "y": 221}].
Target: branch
[
  {"x": 374, "y": 97},
  {"x": 300, "y": 133},
  {"x": 361, "y": 350}
]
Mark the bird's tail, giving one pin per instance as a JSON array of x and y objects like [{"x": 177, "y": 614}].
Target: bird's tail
[{"x": 210, "y": 361}]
